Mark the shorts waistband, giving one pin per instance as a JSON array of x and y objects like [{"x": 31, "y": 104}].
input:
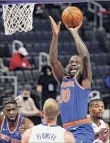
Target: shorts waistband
[{"x": 78, "y": 122}]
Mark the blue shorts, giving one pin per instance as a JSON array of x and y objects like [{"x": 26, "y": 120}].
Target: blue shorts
[{"x": 82, "y": 133}]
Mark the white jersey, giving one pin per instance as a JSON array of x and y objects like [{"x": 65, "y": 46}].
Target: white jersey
[
  {"x": 101, "y": 135},
  {"x": 47, "y": 134}
]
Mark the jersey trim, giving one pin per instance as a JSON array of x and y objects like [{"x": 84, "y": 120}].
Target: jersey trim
[
  {"x": 81, "y": 86},
  {"x": 49, "y": 125},
  {"x": 66, "y": 77},
  {"x": 16, "y": 125},
  {"x": 78, "y": 84},
  {"x": 77, "y": 122}
]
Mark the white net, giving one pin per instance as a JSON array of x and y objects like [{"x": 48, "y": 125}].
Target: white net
[{"x": 18, "y": 18}]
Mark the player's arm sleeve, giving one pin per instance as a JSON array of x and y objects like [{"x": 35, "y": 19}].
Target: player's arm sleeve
[
  {"x": 68, "y": 137},
  {"x": 26, "y": 136}
]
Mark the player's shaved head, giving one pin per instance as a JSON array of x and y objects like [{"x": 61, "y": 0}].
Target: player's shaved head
[{"x": 51, "y": 109}]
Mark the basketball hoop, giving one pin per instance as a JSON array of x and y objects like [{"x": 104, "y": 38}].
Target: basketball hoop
[{"x": 17, "y": 18}]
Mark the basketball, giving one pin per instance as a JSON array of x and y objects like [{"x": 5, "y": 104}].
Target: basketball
[{"x": 72, "y": 16}]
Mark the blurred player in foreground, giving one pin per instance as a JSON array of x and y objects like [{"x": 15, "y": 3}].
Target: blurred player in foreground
[
  {"x": 12, "y": 125},
  {"x": 48, "y": 132},
  {"x": 101, "y": 129},
  {"x": 75, "y": 87}
]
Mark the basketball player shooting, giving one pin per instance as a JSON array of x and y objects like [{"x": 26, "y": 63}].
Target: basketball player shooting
[
  {"x": 12, "y": 125},
  {"x": 49, "y": 131},
  {"x": 75, "y": 87}
]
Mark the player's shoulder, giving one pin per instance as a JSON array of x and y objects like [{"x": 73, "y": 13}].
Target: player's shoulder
[
  {"x": 60, "y": 130},
  {"x": 2, "y": 116},
  {"x": 41, "y": 125},
  {"x": 68, "y": 137},
  {"x": 60, "y": 127},
  {"x": 102, "y": 122},
  {"x": 107, "y": 125},
  {"x": 37, "y": 128},
  {"x": 67, "y": 133}
]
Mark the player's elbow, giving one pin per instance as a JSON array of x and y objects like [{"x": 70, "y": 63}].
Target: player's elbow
[{"x": 85, "y": 56}]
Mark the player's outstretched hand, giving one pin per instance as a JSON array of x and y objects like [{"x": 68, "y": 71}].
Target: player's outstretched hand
[
  {"x": 73, "y": 30},
  {"x": 55, "y": 26}
]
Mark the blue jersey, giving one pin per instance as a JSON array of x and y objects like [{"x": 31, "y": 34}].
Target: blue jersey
[
  {"x": 74, "y": 100},
  {"x": 73, "y": 107},
  {"x": 10, "y": 137}
]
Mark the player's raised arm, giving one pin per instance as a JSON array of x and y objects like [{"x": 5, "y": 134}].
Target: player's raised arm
[
  {"x": 83, "y": 52},
  {"x": 57, "y": 68}
]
